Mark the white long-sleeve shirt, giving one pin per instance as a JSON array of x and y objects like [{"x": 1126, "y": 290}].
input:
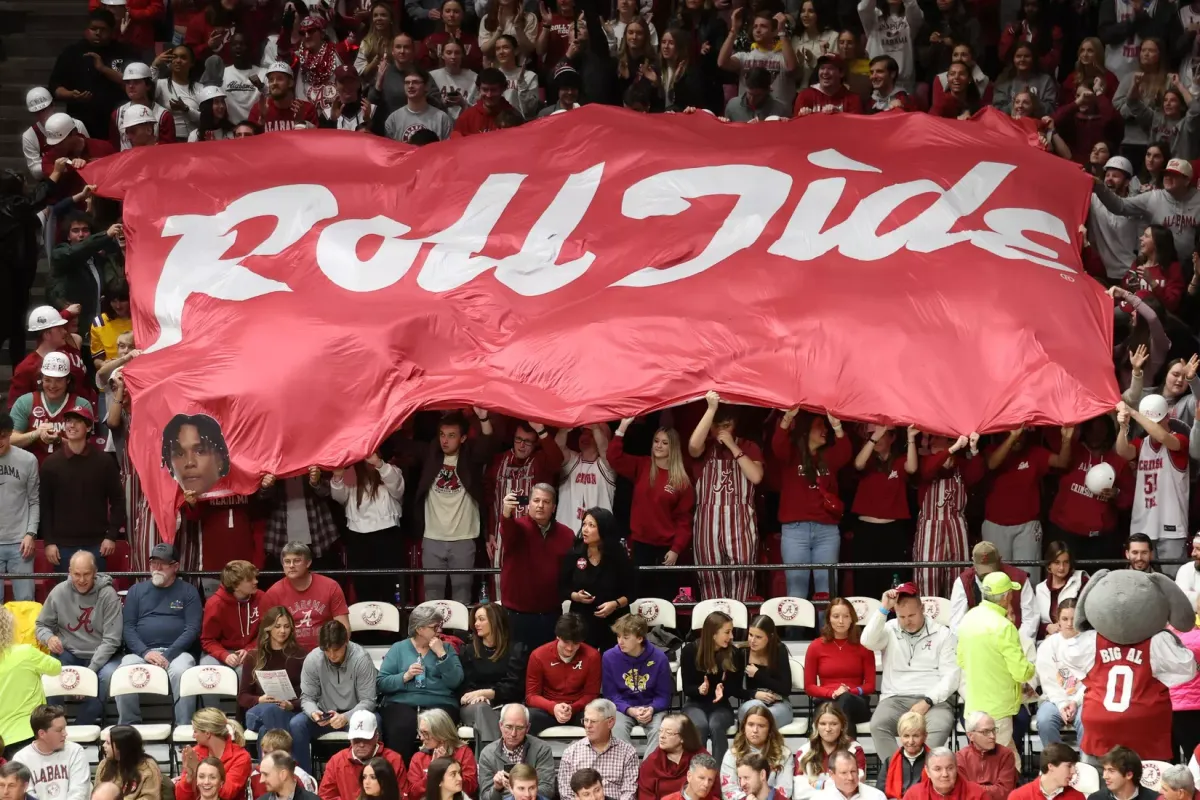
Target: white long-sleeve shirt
[
  {"x": 1029, "y": 613},
  {"x": 63, "y": 775},
  {"x": 1188, "y": 580},
  {"x": 924, "y": 664},
  {"x": 376, "y": 513},
  {"x": 1060, "y": 683},
  {"x": 31, "y": 147}
]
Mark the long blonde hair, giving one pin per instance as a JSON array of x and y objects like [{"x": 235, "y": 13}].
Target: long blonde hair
[
  {"x": 813, "y": 762},
  {"x": 8, "y": 630},
  {"x": 628, "y": 62},
  {"x": 378, "y": 44},
  {"x": 677, "y": 477},
  {"x": 774, "y": 750},
  {"x": 214, "y": 722}
]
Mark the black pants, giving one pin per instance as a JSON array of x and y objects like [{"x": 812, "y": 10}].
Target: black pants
[
  {"x": 376, "y": 550},
  {"x": 539, "y": 720},
  {"x": 856, "y": 708},
  {"x": 400, "y": 727},
  {"x": 532, "y": 630},
  {"x": 881, "y": 541},
  {"x": 663, "y": 585},
  {"x": 1086, "y": 548},
  {"x": 1185, "y": 733}
]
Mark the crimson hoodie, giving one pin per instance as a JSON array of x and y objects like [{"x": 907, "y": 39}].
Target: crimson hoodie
[
  {"x": 343, "y": 774},
  {"x": 229, "y": 625},
  {"x": 475, "y": 119},
  {"x": 816, "y": 101}
]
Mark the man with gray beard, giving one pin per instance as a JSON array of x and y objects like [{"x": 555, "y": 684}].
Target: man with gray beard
[{"x": 162, "y": 627}]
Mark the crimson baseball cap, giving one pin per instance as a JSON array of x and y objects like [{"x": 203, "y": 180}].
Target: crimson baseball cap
[
  {"x": 908, "y": 589},
  {"x": 345, "y": 72},
  {"x": 83, "y": 412},
  {"x": 832, "y": 58}
]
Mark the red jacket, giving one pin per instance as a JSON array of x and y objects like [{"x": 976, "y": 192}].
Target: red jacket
[
  {"x": 549, "y": 680},
  {"x": 661, "y": 514},
  {"x": 814, "y": 100},
  {"x": 526, "y": 553},
  {"x": 995, "y": 771},
  {"x": 1165, "y": 283},
  {"x": 1067, "y": 94},
  {"x": 1033, "y": 791},
  {"x": 659, "y": 776},
  {"x": 802, "y": 500},
  {"x": 229, "y": 625},
  {"x": 1021, "y": 32},
  {"x": 237, "y": 765},
  {"x": 475, "y": 119},
  {"x": 343, "y": 774},
  {"x": 142, "y": 16},
  {"x": 963, "y": 790},
  {"x": 413, "y": 785}
]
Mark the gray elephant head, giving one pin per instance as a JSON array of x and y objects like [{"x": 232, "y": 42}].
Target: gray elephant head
[{"x": 1126, "y": 606}]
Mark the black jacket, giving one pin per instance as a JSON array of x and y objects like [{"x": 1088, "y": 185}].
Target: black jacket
[
  {"x": 505, "y": 675},
  {"x": 300, "y": 794},
  {"x": 76, "y": 70},
  {"x": 692, "y": 678}
]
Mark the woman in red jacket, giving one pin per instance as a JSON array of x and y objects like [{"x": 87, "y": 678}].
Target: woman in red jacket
[
  {"x": 439, "y": 739},
  {"x": 1156, "y": 270},
  {"x": 222, "y": 739},
  {"x": 883, "y": 528},
  {"x": 665, "y": 769},
  {"x": 837, "y": 667},
  {"x": 1089, "y": 72},
  {"x": 809, "y": 506},
  {"x": 1034, "y": 26},
  {"x": 660, "y": 522}
]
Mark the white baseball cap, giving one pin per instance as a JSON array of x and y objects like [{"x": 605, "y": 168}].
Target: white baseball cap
[
  {"x": 112, "y": 2},
  {"x": 362, "y": 723},
  {"x": 207, "y": 93},
  {"x": 37, "y": 98},
  {"x": 56, "y": 365},
  {"x": 1120, "y": 162},
  {"x": 136, "y": 115},
  {"x": 44, "y": 317},
  {"x": 135, "y": 71},
  {"x": 279, "y": 66},
  {"x": 1153, "y": 407},
  {"x": 59, "y": 127}
]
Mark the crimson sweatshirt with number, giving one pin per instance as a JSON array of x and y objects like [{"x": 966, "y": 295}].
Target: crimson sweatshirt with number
[
  {"x": 549, "y": 680},
  {"x": 800, "y": 499}
]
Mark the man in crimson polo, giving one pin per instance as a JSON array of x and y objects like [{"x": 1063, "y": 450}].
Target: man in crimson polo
[{"x": 534, "y": 545}]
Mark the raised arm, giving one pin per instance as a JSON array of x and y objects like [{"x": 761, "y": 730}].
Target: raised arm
[{"x": 699, "y": 436}]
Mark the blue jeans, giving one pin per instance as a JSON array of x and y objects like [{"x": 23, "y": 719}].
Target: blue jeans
[
  {"x": 129, "y": 706},
  {"x": 91, "y": 710},
  {"x": 1050, "y": 724},
  {"x": 11, "y": 563},
  {"x": 66, "y": 553},
  {"x": 809, "y": 543}
]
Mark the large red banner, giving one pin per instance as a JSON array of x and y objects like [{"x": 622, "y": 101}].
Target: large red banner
[{"x": 308, "y": 291}]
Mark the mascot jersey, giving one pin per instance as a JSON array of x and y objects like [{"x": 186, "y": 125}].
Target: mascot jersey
[{"x": 1126, "y": 701}]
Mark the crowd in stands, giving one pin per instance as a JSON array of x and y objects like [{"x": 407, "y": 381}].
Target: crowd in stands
[{"x": 594, "y": 518}]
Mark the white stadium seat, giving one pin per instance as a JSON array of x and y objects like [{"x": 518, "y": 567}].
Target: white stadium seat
[
  {"x": 454, "y": 613},
  {"x": 374, "y": 617},
  {"x": 734, "y": 609},
  {"x": 785, "y": 611},
  {"x": 655, "y": 611},
  {"x": 75, "y": 682}
]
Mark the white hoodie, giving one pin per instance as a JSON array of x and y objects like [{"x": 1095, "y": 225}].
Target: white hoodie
[
  {"x": 63, "y": 775},
  {"x": 1061, "y": 684},
  {"x": 924, "y": 664}
]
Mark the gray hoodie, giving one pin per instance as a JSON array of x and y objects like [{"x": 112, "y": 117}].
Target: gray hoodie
[
  {"x": 1158, "y": 207},
  {"x": 89, "y": 625},
  {"x": 343, "y": 687}
]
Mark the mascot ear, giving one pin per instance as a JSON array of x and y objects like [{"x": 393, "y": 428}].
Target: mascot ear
[
  {"x": 1183, "y": 615},
  {"x": 1081, "y": 623}
]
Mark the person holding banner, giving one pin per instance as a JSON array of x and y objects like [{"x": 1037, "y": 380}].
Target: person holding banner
[{"x": 726, "y": 530}]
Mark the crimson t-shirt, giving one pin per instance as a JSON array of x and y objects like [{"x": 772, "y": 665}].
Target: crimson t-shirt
[
  {"x": 312, "y": 608},
  {"x": 883, "y": 492},
  {"x": 1016, "y": 496},
  {"x": 1076, "y": 510}
]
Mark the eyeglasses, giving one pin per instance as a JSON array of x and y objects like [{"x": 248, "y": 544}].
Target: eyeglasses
[
  {"x": 523, "y": 440},
  {"x": 516, "y": 728},
  {"x": 986, "y": 731}
]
